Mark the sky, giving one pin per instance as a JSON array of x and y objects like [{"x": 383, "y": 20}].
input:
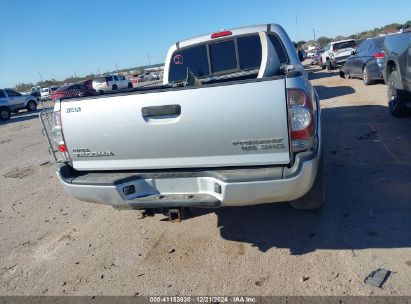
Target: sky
[{"x": 58, "y": 39}]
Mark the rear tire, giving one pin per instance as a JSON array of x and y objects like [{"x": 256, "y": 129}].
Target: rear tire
[
  {"x": 366, "y": 76},
  {"x": 329, "y": 65},
  {"x": 130, "y": 85},
  {"x": 114, "y": 87},
  {"x": 396, "y": 97},
  {"x": 31, "y": 106},
  {"x": 5, "y": 114},
  {"x": 315, "y": 198}
]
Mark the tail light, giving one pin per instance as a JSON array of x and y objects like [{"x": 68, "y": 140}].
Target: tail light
[
  {"x": 57, "y": 135},
  {"x": 221, "y": 34},
  {"x": 301, "y": 116},
  {"x": 380, "y": 55}
]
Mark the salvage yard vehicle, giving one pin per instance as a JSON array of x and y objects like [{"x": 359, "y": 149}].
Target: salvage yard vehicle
[
  {"x": 35, "y": 91},
  {"x": 72, "y": 90},
  {"x": 236, "y": 122},
  {"x": 45, "y": 94},
  {"x": 397, "y": 74},
  {"x": 367, "y": 62},
  {"x": 12, "y": 102},
  {"x": 111, "y": 83},
  {"x": 336, "y": 53}
]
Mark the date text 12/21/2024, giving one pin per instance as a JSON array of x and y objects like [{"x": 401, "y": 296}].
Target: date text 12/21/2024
[{"x": 203, "y": 299}]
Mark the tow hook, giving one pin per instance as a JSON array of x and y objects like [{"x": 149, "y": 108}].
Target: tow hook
[{"x": 175, "y": 215}]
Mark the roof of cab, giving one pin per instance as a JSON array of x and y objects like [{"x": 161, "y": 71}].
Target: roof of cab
[{"x": 235, "y": 31}]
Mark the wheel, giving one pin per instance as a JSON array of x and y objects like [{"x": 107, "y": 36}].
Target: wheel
[
  {"x": 114, "y": 87},
  {"x": 396, "y": 98},
  {"x": 347, "y": 76},
  {"x": 101, "y": 92},
  {"x": 130, "y": 85},
  {"x": 315, "y": 198},
  {"x": 31, "y": 106},
  {"x": 329, "y": 65},
  {"x": 323, "y": 67},
  {"x": 5, "y": 114},
  {"x": 342, "y": 74},
  {"x": 366, "y": 76}
]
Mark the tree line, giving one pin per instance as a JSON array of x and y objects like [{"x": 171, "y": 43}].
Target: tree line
[{"x": 389, "y": 28}]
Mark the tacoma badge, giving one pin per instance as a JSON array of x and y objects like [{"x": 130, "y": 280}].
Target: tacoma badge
[{"x": 88, "y": 153}]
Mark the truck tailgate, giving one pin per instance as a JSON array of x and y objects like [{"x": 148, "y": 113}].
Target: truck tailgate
[{"x": 240, "y": 124}]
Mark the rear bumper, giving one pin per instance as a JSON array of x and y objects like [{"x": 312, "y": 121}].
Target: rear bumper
[
  {"x": 376, "y": 70},
  {"x": 339, "y": 61},
  {"x": 195, "y": 188}
]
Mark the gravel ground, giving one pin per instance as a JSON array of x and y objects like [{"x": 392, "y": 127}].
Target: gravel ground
[{"x": 52, "y": 244}]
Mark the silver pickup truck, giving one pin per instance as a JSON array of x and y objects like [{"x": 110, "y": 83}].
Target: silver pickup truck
[{"x": 236, "y": 122}]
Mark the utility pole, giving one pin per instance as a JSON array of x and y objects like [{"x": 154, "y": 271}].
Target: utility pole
[
  {"x": 296, "y": 24},
  {"x": 148, "y": 56},
  {"x": 314, "y": 33}
]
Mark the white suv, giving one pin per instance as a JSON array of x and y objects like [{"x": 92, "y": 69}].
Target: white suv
[
  {"x": 111, "y": 83},
  {"x": 336, "y": 53}
]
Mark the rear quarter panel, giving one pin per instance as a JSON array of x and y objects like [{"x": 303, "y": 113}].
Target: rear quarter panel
[{"x": 396, "y": 48}]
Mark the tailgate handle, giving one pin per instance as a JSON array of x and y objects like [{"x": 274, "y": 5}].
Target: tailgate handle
[{"x": 168, "y": 110}]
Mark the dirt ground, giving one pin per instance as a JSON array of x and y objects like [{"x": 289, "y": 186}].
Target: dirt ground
[{"x": 52, "y": 244}]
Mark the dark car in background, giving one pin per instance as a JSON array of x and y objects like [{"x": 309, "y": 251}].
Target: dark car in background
[
  {"x": 367, "y": 62},
  {"x": 72, "y": 90}
]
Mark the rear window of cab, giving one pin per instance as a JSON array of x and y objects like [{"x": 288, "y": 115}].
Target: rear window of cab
[{"x": 240, "y": 53}]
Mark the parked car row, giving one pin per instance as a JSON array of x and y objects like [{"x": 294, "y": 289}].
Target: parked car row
[
  {"x": 386, "y": 58},
  {"x": 99, "y": 85}
]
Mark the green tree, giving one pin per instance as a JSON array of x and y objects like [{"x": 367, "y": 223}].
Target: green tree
[
  {"x": 322, "y": 41},
  {"x": 300, "y": 44}
]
